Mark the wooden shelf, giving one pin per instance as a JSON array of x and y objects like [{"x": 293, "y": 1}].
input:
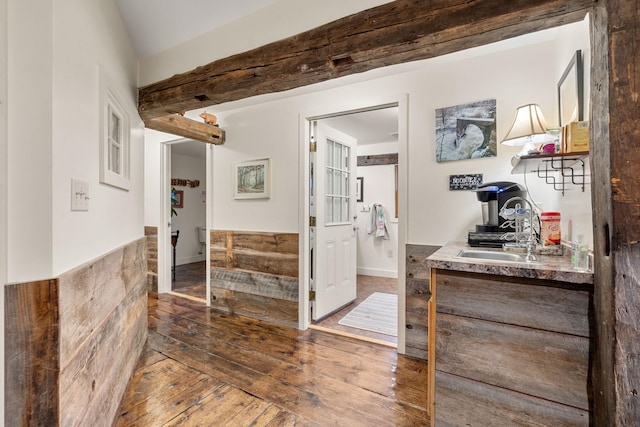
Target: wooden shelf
[{"x": 556, "y": 169}]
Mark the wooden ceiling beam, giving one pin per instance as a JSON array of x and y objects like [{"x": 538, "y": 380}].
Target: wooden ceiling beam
[
  {"x": 396, "y": 32},
  {"x": 185, "y": 127}
]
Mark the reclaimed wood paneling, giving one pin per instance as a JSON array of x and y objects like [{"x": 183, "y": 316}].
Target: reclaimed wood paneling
[
  {"x": 151, "y": 234},
  {"x": 544, "y": 364},
  {"x": 378, "y": 159},
  {"x": 417, "y": 299},
  {"x": 615, "y": 155},
  {"x": 255, "y": 274},
  {"x": 72, "y": 342},
  {"x": 272, "y": 253},
  {"x": 268, "y": 285},
  {"x": 103, "y": 327},
  {"x": 550, "y": 306},
  {"x": 527, "y": 338},
  {"x": 495, "y": 406},
  {"x": 31, "y": 354},
  {"x": 256, "y": 306}
]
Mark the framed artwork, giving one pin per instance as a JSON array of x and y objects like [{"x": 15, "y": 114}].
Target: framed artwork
[
  {"x": 178, "y": 196},
  {"x": 571, "y": 92},
  {"x": 466, "y": 131},
  {"x": 251, "y": 179},
  {"x": 360, "y": 189}
]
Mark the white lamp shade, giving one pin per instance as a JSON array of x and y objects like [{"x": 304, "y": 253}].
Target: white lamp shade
[{"x": 528, "y": 126}]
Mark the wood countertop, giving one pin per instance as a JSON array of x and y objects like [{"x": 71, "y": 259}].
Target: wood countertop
[{"x": 548, "y": 267}]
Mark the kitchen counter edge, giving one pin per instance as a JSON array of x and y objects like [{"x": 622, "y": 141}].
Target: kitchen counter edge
[{"x": 547, "y": 267}]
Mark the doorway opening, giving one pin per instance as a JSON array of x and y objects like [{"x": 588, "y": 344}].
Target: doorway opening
[
  {"x": 373, "y": 221},
  {"x": 186, "y": 237}
]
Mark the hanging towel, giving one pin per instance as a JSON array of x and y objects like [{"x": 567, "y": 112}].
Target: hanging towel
[{"x": 378, "y": 222}]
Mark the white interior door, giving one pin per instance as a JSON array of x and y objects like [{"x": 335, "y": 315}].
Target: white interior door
[{"x": 334, "y": 237}]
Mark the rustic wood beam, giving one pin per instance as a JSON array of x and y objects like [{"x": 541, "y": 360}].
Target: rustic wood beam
[
  {"x": 183, "y": 126},
  {"x": 615, "y": 132},
  {"x": 378, "y": 159},
  {"x": 396, "y": 32}
]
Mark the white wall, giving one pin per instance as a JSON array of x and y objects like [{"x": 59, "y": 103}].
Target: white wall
[
  {"x": 436, "y": 215},
  {"x": 193, "y": 213},
  {"x": 252, "y": 134},
  {"x": 3, "y": 184},
  {"x": 377, "y": 256},
  {"x": 55, "y": 50}
]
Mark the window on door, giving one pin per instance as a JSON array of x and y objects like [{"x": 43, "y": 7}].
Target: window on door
[{"x": 337, "y": 184}]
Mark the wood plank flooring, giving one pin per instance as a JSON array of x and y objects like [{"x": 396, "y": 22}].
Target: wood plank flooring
[
  {"x": 205, "y": 368},
  {"x": 191, "y": 280}
]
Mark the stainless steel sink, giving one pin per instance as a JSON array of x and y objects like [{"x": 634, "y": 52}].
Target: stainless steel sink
[{"x": 491, "y": 255}]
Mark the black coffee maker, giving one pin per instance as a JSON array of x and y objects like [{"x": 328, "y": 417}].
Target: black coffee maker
[{"x": 493, "y": 196}]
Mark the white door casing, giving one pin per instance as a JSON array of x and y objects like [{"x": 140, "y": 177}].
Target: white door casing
[
  {"x": 305, "y": 239},
  {"x": 334, "y": 237}
]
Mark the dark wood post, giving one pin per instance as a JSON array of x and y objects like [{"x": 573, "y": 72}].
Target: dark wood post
[{"x": 615, "y": 172}]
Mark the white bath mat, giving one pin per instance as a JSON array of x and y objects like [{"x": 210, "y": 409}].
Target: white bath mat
[{"x": 378, "y": 313}]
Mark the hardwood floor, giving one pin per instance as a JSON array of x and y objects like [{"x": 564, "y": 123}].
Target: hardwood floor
[
  {"x": 205, "y": 368},
  {"x": 191, "y": 279}
]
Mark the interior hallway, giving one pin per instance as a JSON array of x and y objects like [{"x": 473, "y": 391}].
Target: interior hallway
[
  {"x": 190, "y": 280},
  {"x": 201, "y": 367}
]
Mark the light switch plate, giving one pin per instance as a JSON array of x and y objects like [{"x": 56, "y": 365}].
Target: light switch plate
[{"x": 79, "y": 195}]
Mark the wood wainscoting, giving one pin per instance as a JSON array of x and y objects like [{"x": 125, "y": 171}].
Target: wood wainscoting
[
  {"x": 255, "y": 274},
  {"x": 417, "y": 299},
  {"x": 72, "y": 342},
  {"x": 151, "y": 234}
]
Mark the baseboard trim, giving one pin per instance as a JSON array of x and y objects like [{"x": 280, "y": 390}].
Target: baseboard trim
[
  {"x": 190, "y": 260},
  {"x": 391, "y": 274}
]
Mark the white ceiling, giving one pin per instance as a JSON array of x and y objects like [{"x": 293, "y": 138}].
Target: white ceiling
[{"x": 157, "y": 25}]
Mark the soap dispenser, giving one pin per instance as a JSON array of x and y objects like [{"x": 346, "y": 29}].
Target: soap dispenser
[{"x": 580, "y": 255}]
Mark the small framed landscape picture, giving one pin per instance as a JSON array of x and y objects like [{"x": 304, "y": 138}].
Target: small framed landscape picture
[{"x": 251, "y": 179}]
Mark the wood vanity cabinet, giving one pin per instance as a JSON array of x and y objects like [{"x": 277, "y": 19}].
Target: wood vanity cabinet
[{"x": 509, "y": 350}]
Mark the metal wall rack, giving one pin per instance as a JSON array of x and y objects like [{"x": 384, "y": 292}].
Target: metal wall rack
[{"x": 556, "y": 169}]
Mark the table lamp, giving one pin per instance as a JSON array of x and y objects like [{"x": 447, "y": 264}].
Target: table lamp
[{"x": 529, "y": 129}]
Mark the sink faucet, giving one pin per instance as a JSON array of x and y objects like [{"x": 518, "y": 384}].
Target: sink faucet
[{"x": 518, "y": 214}]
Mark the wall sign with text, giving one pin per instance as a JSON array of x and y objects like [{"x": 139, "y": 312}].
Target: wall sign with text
[{"x": 465, "y": 182}]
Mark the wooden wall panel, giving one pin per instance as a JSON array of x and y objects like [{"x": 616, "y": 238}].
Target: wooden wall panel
[
  {"x": 615, "y": 155},
  {"x": 528, "y": 339},
  {"x": 256, "y": 306},
  {"x": 495, "y": 406},
  {"x": 31, "y": 354},
  {"x": 72, "y": 342},
  {"x": 255, "y": 274},
  {"x": 544, "y": 364},
  {"x": 562, "y": 308},
  {"x": 151, "y": 234},
  {"x": 103, "y": 327},
  {"x": 417, "y": 298}
]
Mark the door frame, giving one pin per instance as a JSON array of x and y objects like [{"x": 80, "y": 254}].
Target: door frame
[
  {"x": 164, "y": 233},
  {"x": 305, "y": 118}
]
